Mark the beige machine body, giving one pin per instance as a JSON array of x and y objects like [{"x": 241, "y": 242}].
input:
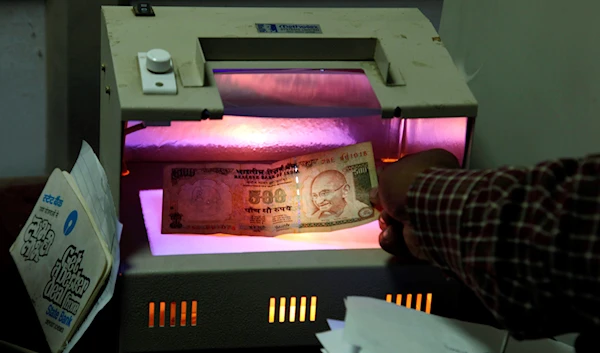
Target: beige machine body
[{"x": 256, "y": 84}]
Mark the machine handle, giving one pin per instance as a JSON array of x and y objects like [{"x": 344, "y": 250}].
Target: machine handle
[
  {"x": 307, "y": 50},
  {"x": 366, "y": 54}
]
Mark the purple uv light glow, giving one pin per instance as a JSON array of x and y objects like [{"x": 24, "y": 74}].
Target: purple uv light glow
[
  {"x": 249, "y": 138},
  {"x": 362, "y": 237}
]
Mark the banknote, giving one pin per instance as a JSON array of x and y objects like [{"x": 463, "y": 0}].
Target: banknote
[{"x": 318, "y": 192}]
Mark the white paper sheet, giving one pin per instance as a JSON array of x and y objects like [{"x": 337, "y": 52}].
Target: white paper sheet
[
  {"x": 385, "y": 327},
  {"x": 335, "y": 324},
  {"x": 92, "y": 182},
  {"x": 333, "y": 342},
  {"x": 375, "y": 326},
  {"x": 545, "y": 346}
]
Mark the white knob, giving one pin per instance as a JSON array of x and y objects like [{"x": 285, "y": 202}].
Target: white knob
[{"x": 158, "y": 61}]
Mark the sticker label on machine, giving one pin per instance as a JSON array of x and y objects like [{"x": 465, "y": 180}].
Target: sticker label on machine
[{"x": 288, "y": 28}]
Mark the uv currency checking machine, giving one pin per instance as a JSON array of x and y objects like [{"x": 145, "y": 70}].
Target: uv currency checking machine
[{"x": 255, "y": 84}]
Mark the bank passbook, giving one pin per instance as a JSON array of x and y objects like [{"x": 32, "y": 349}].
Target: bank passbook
[{"x": 62, "y": 259}]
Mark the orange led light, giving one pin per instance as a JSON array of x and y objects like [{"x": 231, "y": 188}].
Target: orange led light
[
  {"x": 172, "y": 312},
  {"x": 282, "y": 309},
  {"x": 272, "y": 310},
  {"x": 428, "y": 303},
  {"x": 302, "y": 316},
  {"x": 313, "y": 308},
  {"x": 161, "y": 315},
  {"x": 399, "y": 299},
  {"x": 292, "y": 309},
  {"x": 194, "y": 313},
  {"x": 183, "y": 318},
  {"x": 151, "y": 314},
  {"x": 418, "y": 304},
  {"x": 389, "y": 160},
  {"x": 175, "y": 318}
]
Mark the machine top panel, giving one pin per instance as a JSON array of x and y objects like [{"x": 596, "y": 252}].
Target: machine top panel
[{"x": 409, "y": 69}]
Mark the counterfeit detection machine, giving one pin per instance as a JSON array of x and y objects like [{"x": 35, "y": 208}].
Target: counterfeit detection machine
[{"x": 250, "y": 85}]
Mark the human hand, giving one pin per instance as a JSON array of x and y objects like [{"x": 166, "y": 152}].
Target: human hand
[{"x": 397, "y": 236}]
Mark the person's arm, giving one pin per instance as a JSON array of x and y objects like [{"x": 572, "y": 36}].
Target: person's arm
[{"x": 526, "y": 241}]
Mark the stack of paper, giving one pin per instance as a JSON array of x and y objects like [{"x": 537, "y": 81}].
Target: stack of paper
[
  {"x": 68, "y": 251},
  {"x": 376, "y": 326}
]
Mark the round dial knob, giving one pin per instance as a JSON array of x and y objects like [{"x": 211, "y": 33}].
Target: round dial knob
[{"x": 158, "y": 61}]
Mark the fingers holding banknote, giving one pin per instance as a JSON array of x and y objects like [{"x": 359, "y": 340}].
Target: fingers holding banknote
[{"x": 397, "y": 236}]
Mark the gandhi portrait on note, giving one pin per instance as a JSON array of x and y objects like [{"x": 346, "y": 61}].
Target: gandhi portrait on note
[{"x": 330, "y": 194}]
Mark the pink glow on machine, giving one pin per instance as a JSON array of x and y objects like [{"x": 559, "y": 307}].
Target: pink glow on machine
[{"x": 305, "y": 112}]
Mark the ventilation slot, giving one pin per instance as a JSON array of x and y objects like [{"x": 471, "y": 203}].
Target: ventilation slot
[
  {"x": 179, "y": 314},
  {"x": 293, "y": 309},
  {"x": 412, "y": 301}
]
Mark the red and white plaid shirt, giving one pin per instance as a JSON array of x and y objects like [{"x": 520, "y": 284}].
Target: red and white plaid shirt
[{"x": 526, "y": 241}]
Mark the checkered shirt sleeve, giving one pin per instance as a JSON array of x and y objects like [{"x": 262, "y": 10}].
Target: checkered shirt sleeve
[{"x": 526, "y": 241}]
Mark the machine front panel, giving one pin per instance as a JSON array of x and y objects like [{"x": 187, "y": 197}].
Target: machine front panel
[
  {"x": 180, "y": 311},
  {"x": 400, "y": 91}
]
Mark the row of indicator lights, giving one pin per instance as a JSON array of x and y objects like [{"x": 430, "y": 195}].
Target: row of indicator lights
[
  {"x": 290, "y": 312},
  {"x": 173, "y": 314},
  {"x": 409, "y": 301},
  {"x": 276, "y": 313}
]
